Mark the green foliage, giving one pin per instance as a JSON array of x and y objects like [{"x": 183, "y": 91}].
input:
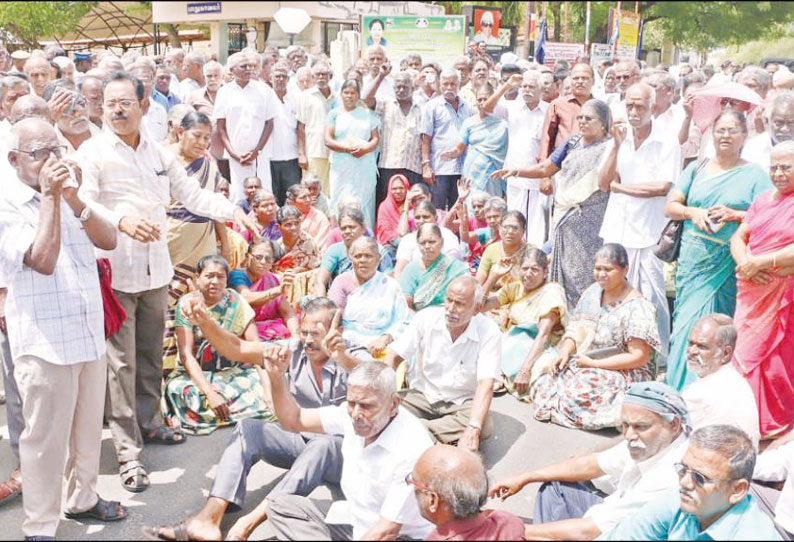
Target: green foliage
[
  {"x": 754, "y": 51},
  {"x": 27, "y": 22}
]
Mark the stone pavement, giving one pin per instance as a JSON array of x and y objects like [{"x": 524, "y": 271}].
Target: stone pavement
[{"x": 182, "y": 475}]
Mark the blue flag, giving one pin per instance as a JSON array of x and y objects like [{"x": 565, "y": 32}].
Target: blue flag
[
  {"x": 613, "y": 39},
  {"x": 540, "y": 53}
]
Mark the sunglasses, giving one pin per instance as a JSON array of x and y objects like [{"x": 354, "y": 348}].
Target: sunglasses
[
  {"x": 44, "y": 152},
  {"x": 698, "y": 478},
  {"x": 486, "y": 24}
]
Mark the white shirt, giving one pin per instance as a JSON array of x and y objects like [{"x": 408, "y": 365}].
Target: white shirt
[
  {"x": 723, "y": 397},
  {"x": 669, "y": 123},
  {"x": 313, "y": 108},
  {"x": 156, "y": 121},
  {"x": 758, "y": 149},
  {"x": 246, "y": 110},
  {"x": 777, "y": 465},
  {"x": 59, "y": 317},
  {"x": 408, "y": 249},
  {"x": 283, "y": 141},
  {"x": 638, "y": 222},
  {"x": 524, "y": 130},
  {"x": 445, "y": 370},
  {"x": 631, "y": 484},
  {"x": 385, "y": 90},
  {"x": 70, "y": 150},
  {"x": 186, "y": 89},
  {"x": 373, "y": 477},
  {"x": 119, "y": 180}
]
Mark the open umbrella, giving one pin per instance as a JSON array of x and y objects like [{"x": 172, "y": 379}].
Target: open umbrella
[{"x": 706, "y": 102}]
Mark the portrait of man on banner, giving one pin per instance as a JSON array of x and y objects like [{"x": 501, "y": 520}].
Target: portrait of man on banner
[{"x": 486, "y": 25}]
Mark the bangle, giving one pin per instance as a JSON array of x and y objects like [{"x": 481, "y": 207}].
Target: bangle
[{"x": 425, "y": 162}]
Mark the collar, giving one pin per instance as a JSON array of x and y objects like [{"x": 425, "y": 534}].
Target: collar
[
  {"x": 116, "y": 141},
  {"x": 316, "y": 90},
  {"x": 673, "y": 452},
  {"x": 472, "y": 331},
  {"x": 725, "y": 527},
  {"x": 330, "y": 366},
  {"x": 391, "y": 438},
  {"x": 574, "y": 99},
  {"x": 21, "y": 193}
]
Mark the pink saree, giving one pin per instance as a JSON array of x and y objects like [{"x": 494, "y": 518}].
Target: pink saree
[{"x": 764, "y": 312}]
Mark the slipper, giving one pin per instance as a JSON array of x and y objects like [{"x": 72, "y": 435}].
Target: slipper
[
  {"x": 156, "y": 533},
  {"x": 134, "y": 477},
  {"x": 164, "y": 435},
  {"x": 10, "y": 489},
  {"x": 103, "y": 511}
]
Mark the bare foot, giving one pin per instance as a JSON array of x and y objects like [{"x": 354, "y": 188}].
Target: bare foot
[{"x": 244, "y": 526}]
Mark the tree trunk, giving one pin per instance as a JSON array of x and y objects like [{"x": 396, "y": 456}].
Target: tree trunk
[
  {"x": 173, "y": 36},
  {"x": 555, "y": 12}
]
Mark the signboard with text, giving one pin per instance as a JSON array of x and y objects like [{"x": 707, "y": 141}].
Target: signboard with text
[
  {"x": 435, "y": 39},
  {"x": 199, "y": 8},
  {"x": 628, "y": 38},
  {"x": 562, "y": 51},
  {"x": 599, "y": 52}
]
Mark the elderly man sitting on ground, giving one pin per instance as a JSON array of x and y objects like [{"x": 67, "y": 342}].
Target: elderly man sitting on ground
[
  {"x": 451, "y": 487},
  {"x": 712, "y": 500},
  {"x": 571, "y": 504},
  {"x": 457, "y": 359}
]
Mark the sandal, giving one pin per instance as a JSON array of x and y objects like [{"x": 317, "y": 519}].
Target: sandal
[
  {"x": 134, "y": 477},
  {"x": 10, "y": 489},
  {"x": 103, "y": 511},
  {"x": 156, "y": 533},
  {"x": 164, "y": 435}
]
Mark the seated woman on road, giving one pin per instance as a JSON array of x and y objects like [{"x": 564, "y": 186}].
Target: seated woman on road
[
  {"x": 390, "y": 210},
  {"x": 374, "y": 309},
  {"x": 615, "y": 339},
  {"x": 313, "y": 222},
  {"x": 209, "y": 391},
  {"x": 508, "y": 252},
  {"x": 298, "y": 251},
  {"x": 480, "y": 238},
  {"x": 425, "y": 282},
  {"x": 336, "y": 259},
  {"x": 537, "y": 314},
  {"x": 274, "y": 318},
  {"x": 409, "y": 249},
  {"x": 263, "y": 212}
]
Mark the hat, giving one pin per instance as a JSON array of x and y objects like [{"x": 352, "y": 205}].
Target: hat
[
  {"x": 20, "y": 55},
  {"x": 82, "y": 56}
]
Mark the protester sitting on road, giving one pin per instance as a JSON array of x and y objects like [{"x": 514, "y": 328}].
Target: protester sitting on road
[
  {"x": 313, "y": 222},
  {"x": 209, "y": 390},
  {"x": 614, "y": 337},
  {"x": 712, "y": 501},
  {"x": 588, "y": 495},
  {"x": 480, "y": 231},
  {"x": 316, "y": 371},
  {"x": 451, "y": 486},
  {"x": 408, "y": 250},
  {"x": 299, "y": 252},
  {"x": 501, "y": 260},
  {"x": 263, "y": 213}
]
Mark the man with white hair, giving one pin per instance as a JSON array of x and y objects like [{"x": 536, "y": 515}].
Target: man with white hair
[
  {"x": 456, "y": 353},
  {"x": 667, "y": 118},
  {"x": 779, "y": 120},
  {"x": 203, "y": 101},
  {"x": 38, "y": 71},
  {"x": 380, "y": 445},
  {"x": 313, "y": 106},
  {"x": 376, "y": 55},
  {"x": 639, "y": 170},
  {"x": 155, "y": 116},
  {"x": 244, "y": 113},
  {"x": 66, "y": 65},
  {"x": 193, "y": 66},
  {"x": 174, "y": 60}
]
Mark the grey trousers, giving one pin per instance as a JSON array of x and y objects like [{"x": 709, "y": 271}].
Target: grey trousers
[
  {"x": 294, "y": 517},
  {"x": 13, "y": 401},
  {"x": 135, "y": 371},
  {"x": 563, "y": 500},
  {"x": 310, "y": 460},
  {"x": 445, "y": 420}
]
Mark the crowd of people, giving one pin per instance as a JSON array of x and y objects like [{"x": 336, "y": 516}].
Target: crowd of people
[{"x": 348, "y": 267}]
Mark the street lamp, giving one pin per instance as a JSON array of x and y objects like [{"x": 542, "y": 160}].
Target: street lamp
[{"x": 292, "y": 21}]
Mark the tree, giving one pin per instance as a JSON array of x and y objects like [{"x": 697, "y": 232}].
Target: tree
[
  {"x": 144, "y": 8},
  {"x": 27, "y": 22}
]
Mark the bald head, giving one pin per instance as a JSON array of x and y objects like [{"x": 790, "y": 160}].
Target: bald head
[
  {"x": 29, "y": 106},
  {"x": 38, "y": 71},
  {"x": 784, "y": 149},
  {"x": 28, "y": 135},
  {"x": 639, "y": 105}
]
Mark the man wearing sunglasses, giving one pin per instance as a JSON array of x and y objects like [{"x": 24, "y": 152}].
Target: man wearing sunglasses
[
  {"x": 779, "y": 122},
  {"x": 712, "y": 500},
  {"x": 586, "y": 496}
]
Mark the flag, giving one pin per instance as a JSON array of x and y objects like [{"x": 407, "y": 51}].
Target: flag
[
  {"x": 540, "y": 53},
  {"x": 639, "y": 41},
  {"x": 613, "y": 39}
]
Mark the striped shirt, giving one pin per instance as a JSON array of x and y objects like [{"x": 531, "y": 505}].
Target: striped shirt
[{"x": 401, "y": 138}]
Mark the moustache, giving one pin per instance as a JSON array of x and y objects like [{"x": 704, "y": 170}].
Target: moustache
[
  {"x": 637, "y": 445},
  {"x": 120, "y": 116},
  {"x": 685, "y": 493}
]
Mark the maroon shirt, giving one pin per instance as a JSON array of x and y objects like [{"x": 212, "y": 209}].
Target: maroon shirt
[
  {"x": 560, "y": 123},
  {"x": 489, "y": 525}
]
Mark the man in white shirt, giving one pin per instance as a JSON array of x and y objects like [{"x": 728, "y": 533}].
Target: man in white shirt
[
  {"x": 313, "y": 106},
  {"x": 667, "y": 118},
  {"x": 639, "y": 171},
  {"x": 11, "y": 88},
  {"x": 377, "y": 58},
  {"x": 244, "y": 111},
  {"x": 720, "y": 395},
  {"x": 55, "y": 329},
  {"x": 779, "y": 127},
  {"x": 130, "y": 180},
  {"x": 776, "y": 465},
  {"x": 71, "y": 125},
  {"x": 282, "y": 147},
  {"x": 155, "y": 117},
  {"x": 456, "y": 353},
  {"x": 571, "y": 504},
  {"x": 381, "y": 443},
  {"x": 194, "y": 75}
]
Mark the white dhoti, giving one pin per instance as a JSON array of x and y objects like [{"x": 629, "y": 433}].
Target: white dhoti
[
  {"x": 646, "y": 274},
  {"x": 260, "y": 167},
  {"x": 524, "y": 195}
]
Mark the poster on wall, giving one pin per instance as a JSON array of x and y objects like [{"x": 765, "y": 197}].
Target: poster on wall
[
  {"x": 487, "y": 23},
  {"x": 562, "y": 51},
  {"x": 435, "y": 39}
]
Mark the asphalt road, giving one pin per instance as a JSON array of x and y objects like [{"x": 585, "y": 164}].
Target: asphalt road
[{"x": 182, "y": 475}]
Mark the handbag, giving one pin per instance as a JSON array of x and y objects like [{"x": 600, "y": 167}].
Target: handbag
[
  {"x": 669, "y": 245},
  {"x": 114, "y": 310}
]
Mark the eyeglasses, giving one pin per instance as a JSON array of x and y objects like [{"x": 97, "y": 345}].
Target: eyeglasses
[
  {"x": 730, "y": 101},
  {"x": 263, "y": 258},
  {"x": 486, "y": 24},
  {"x": 783, "y": 168},
  {"x": 584, "y": 118},
  {"x": 44, "y": 152},
  {"x": 779, "y": 124},
  {"x": 124, "y": 104},
  {"x": 409, "y": 480},
  {"x": 698, "y": 478},
  {"x": 727, "y": 131}
]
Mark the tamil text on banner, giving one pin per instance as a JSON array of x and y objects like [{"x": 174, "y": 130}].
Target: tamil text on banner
[
  {"x": 599, "y": 52},
  {"x": 562, "y": 51},
  {"x": 436, "y": 39},
  {"x": 629, "y": 34}
]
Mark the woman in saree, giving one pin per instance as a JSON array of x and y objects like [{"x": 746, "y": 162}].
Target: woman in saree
[
  {"x": 387, "y": 231},
  {"x": 261, "y": 289},
  {"x": 337, "y": 259},
  {"x": 314, "y": 223},
  {"x": 537, "y": 314},
  {"x": 351, "y": 134},
  {"x": 610, "y": 342},
  {"x": 508, "y": 251},
  {"x": 408, "y": 251},
  {"x": 579, "y": 204},
  {"x": 374, "y": 309},
  {"x": 190, "y": 237},
  {"x": 763, "y": 249},
  {"x": 484, "y": 140},
  {"x": 711, "y": 197},
  {"x": 298, "y": 253},
  {"x": 263, "y": 213},
  {"x": 208, "y": 391},
  {"x": 481, "y": 229},
  {"x": 425, "y": 282}
]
